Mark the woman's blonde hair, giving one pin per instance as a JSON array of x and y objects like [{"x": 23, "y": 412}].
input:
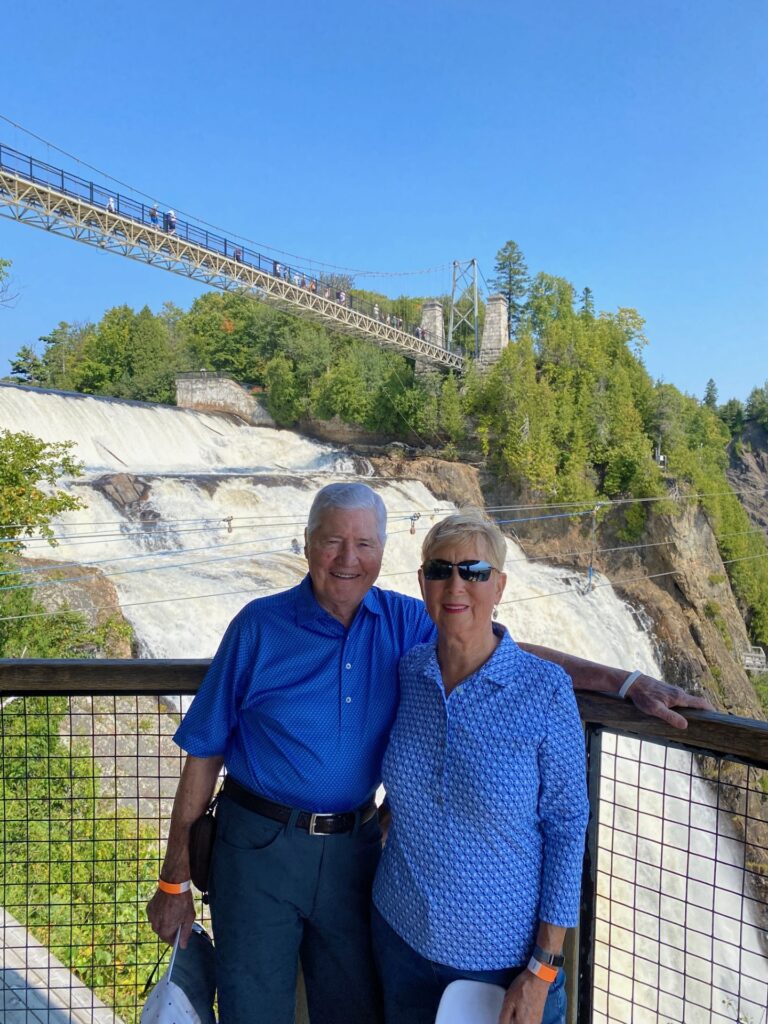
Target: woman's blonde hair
[{"x": 465, "y": 525}]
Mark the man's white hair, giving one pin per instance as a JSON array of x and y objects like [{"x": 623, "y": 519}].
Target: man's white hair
[{"x": 348, "y": 496}]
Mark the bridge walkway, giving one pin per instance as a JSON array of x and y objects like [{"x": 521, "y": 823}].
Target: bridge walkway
[{"x": 38, "y": 194}]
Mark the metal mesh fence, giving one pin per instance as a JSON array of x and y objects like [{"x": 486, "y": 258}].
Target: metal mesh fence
[
  {"x": 681, "y": 887},
  {"x": 87, "y": 790},
  {"x": 678, "y": 911}
]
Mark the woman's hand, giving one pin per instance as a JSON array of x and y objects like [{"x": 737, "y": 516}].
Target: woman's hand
[{"x": 524, "y": 1001}]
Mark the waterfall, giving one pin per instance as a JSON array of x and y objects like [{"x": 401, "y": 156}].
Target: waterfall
[{"x": 222, "y": 521}]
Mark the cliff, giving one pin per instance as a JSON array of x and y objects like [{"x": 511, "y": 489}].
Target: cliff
[{"x": 748, "y": 472}]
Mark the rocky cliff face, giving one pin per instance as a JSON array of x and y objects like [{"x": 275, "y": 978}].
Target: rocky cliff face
[{"x": 748, "y": 472}]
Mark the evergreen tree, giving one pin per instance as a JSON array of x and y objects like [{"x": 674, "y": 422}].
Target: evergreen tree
[
  {"x": 587, "y": 303},
  {"x": 757, "y": 405},
  {"x": 27, "y": 367},
  {"x": 710, "y": 394},
  {"x": 732, "y": 415},
  {"x": 512, "y": 282}
]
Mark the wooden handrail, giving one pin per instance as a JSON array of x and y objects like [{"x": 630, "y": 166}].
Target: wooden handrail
[{"x": 744, "y": 739}]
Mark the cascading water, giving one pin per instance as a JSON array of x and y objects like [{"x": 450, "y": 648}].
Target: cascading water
[{"x": 222, "y": 522}]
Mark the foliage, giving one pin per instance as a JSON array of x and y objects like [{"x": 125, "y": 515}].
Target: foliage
[
  {"x": 77, "y": 868},
  {"x": 511, "y": 281},
  {"x": 757, "y": 405},
  {"x": 732, "y": 414},
  {"x": 760, "y": 683},
  {"x": 29, "y": 470},
  {"x": 6, "y": 298}
]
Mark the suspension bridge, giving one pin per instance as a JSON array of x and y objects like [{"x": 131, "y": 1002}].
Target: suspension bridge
[{"x": 40, "y": 195}]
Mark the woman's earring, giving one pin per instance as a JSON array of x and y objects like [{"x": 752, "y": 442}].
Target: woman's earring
[{"x": 495, "y": 611}]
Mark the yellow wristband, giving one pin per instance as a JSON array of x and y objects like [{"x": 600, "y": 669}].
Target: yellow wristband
[{"x": 173, "y": 888}]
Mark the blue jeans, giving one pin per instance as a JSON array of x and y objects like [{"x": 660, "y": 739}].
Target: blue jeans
[
  {"x": 279, "y": 895},
  {"x": 414, "y": 985}
]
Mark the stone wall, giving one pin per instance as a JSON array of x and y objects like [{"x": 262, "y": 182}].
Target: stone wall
[{"x": 207, "y": 392}]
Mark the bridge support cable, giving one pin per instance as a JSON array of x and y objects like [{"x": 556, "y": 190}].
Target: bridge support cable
[{"x": 86, "y": 213}]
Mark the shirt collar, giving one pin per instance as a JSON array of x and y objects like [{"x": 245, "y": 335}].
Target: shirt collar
[
  {"x": 499, "y": 669},
  {"x": 307, "y": 607}
]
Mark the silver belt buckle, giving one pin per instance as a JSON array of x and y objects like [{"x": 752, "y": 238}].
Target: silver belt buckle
[{"x": 312, "y": 822}]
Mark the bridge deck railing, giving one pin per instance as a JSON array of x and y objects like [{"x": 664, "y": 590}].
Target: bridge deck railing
[
  {"x": 150, "y": 215},
  {"x": 675, "y": 894}
]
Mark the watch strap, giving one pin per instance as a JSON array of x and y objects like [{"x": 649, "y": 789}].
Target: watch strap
[{"x": 549, "y": 959}]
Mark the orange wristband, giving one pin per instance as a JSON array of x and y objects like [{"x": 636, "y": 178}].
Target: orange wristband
[
  {"x": 542, "y": 971},
  {"x": 173, "y": 888}
]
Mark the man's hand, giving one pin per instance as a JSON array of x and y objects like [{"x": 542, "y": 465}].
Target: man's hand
[
  {"x": 649, "y": 695},
  {"x": 524, "y": 1001},
  {"x": 653, "y": 697},
  {"x": 168, "y": 912}
]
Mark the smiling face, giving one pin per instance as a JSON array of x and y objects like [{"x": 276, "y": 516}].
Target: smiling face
[
  {"x": 344, "y": 554},
  {"x": 461, "y": 609}
]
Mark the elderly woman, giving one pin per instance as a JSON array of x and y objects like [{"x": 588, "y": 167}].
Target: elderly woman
[{"x": 485, "y": 774}]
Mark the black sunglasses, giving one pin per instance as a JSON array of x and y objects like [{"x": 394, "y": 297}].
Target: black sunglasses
[{"x": 473, "y": 572}]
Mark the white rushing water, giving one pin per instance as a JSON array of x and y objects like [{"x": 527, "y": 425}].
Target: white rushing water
[{"x": 222, "y": 522}]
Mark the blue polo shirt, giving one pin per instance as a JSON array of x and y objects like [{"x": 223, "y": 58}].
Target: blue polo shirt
[
  {"x": 489, "y": 809},
  {"x": 300, "y": 706}
]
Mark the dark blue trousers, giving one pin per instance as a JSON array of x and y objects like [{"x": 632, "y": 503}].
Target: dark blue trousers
[
  {"x": 413, "y": 985},
  {"x": 279, "y": 895}
]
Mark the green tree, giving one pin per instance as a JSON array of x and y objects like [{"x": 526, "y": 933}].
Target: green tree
[
  {"x": 587, "y": 307},
  {"x": 27, "y": 367},
  {"x": 29, "y": 494},
  {"x": 451, "y": 414},
  {"x": 550, "y": 298},
  {"x": 150, "y": 364},
  {"x": 732, "y": 415},
  {"x": 283, "y": 396},
  {"x": 511, "y": 281},
  {"x": 710, "y": 394},
  {"x": 62, "y": 353},
  {"x": 757, "y": 405}
]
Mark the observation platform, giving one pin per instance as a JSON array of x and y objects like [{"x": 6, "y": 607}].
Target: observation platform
[{"x": 43, "y": 196}]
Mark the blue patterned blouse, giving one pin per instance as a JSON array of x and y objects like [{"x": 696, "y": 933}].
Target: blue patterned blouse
[{"x": 489, "y": 802}]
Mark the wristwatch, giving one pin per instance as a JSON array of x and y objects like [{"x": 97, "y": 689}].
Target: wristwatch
[{"x": 547, "y": 958}]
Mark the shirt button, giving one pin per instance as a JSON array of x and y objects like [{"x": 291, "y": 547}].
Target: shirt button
[
  {"x": 349, "y": 700},
  {"x": 348, "y": 665}
]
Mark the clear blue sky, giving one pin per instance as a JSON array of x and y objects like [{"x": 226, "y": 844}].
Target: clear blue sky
[{"x": 621, "y": 145}]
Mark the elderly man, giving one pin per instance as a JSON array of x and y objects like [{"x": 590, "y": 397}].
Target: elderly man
[{"x": 297, "y": 704}]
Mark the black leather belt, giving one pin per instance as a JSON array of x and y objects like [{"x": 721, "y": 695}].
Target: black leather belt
[{"x": 315, "y": 824}]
